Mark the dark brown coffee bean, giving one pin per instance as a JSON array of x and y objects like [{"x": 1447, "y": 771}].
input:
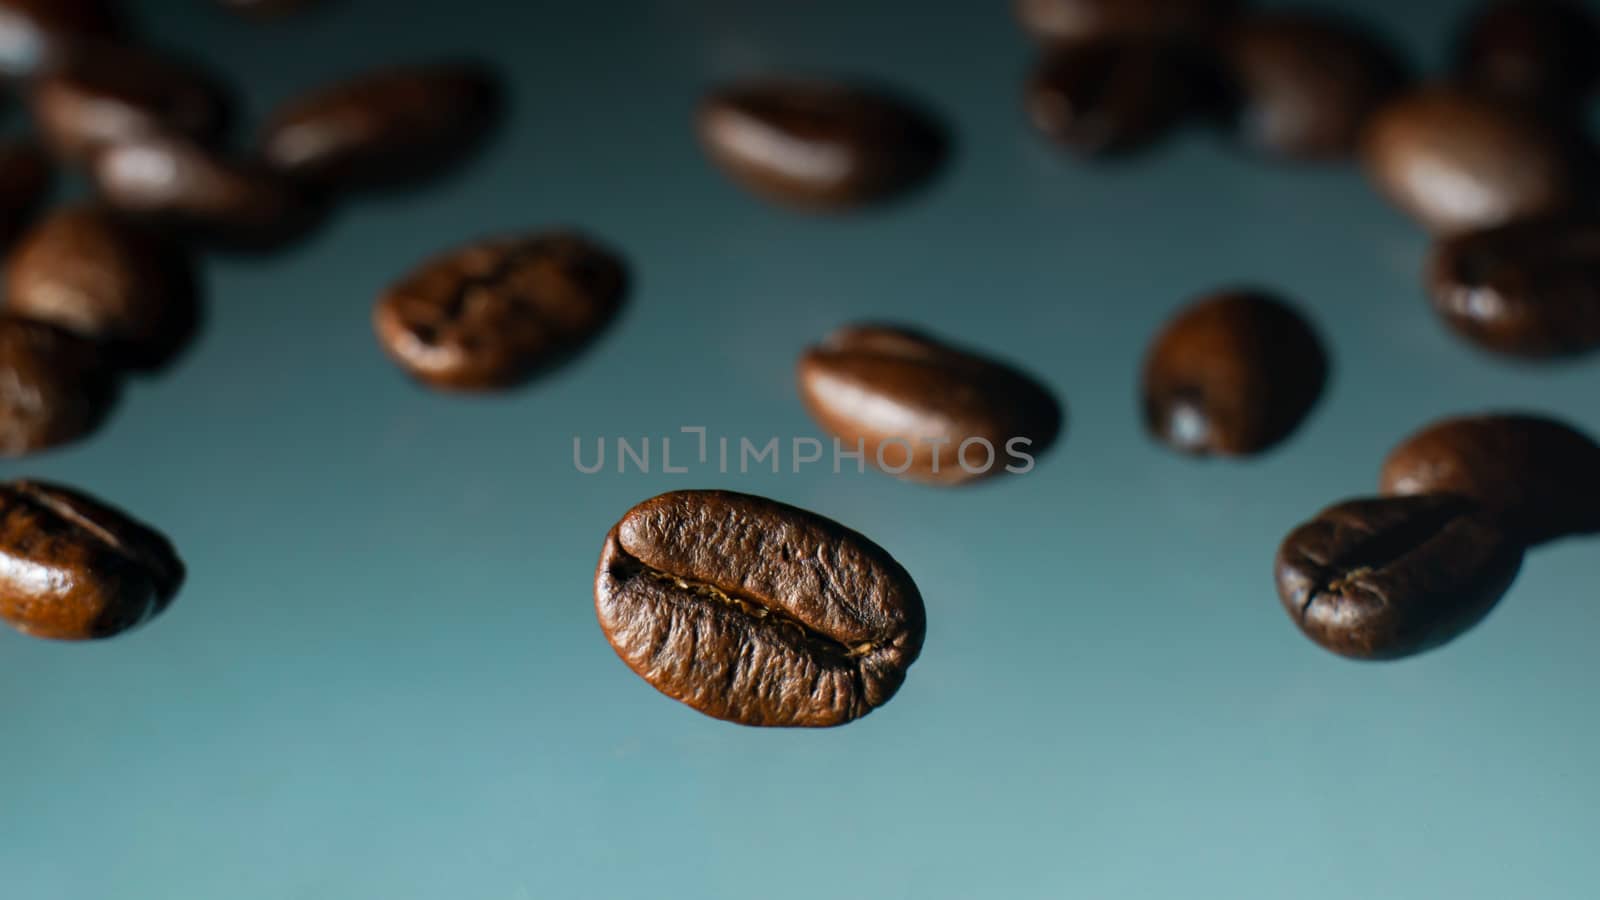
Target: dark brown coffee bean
[
  {"x": 386, "y": 127},
  {"x": 817, "y": 144},
  {"x": 73, "y": 568},
  {"x": 756, "y": 612},
  {"x": 89, "y": 272},
  {"x": 924, "y": 410},
  {"x": 1545, "y": 52},
  {"x": 1232, "y": 374},
  {"x": 495, "y": 313},
  {"x": 1305, "y": 84},
  {"x": 1539, "y": 478},
  {"x": 35, "y": 33},
  {"x": 1389, "y": 577},
  {"x": 54, "y": 388},
  {"x": 178, "y": 183},
  {"x": 1077, "y": 20},
  {"x": 25, "y": 179},
  {"x": 108, "y": 94},
  {"x": 1106, "y": 97},
  {"x": 1458, "y": 162},
  {"x": 1529, "y": 289}
]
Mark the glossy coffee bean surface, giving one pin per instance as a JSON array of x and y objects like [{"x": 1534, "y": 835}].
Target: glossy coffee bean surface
[
  {"x": 54, "y": 386},
  {"x": 756, "y": 612},
  {"x": 819, "y": 144},
  {"x": 1390, "y": 577},
  {"x": 1545, "y": 52},
  {"x": 923, "y": 409},
  {"x": 1305, "y": 84},
  {"x": 1077, "y": 20},
  {"x": 1458, "y": 162},
  {"x": 497, "y": 312},
  {"x": 1232, "y": 374},
  {"x": 385, "y": 127},
  {"x": 1108, "y": 97},
  {"x": 73, "y": 568},
  {"x": 1529, "y": 289},
  {"x": 91, "y": 272},
  {"x": 1536, "y": 476}
]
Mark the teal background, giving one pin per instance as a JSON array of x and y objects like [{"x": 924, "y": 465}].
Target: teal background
[{"x": 384, "y": 678}]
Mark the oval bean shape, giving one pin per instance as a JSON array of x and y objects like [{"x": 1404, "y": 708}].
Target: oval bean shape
[
  {"x": 385, "y": 127},
  {"x": 1532, "y": 51},
  {"x": 1539, "y": 478},
  {"x": 495, "y": 313},
  {"x": 1077, "y": 20},
  {"x": 1529, "y": 289},
  {"x": 756, "y": 612},
  {"x": 53, "y": 387},
  {"x": 95, "y": 98},
  {"x": 1389, "y": 577},
  {"x": 819, "y": 144},
  {"x": 924, "y": 410},
  {"x": 1456, "y": 161},
  {"x": 73, "y": 568},
  {"x": 1232, "y": 374},
  {"x": 1106, "y": 97},
  {"x": 89, "y": 272}
]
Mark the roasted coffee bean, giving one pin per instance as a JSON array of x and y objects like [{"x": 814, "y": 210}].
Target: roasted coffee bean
[
  {"x": 1545, "y": 52},
  {"x": 178, "y": 183},
  {"x": 1077, "y": 20},
  {"x": 1389, "y": 577},
  {"x": 1105, "y": 97},
  {"x": 73, "y": 568},
  {"x": 497, "y": 312},
  {"x": 1458, "y": 162},
  {"x": 25, "y": 179},
  {"x": 817, "y": 144},
  {"x": 1232, "y": 374},
  {"x": 1304, "y": 84},
  {"x": 925, "y": 410},
  {"x": 1539, "y": 478},
  {"x": 386, "y": 127},
  {"x": 108, "y": 94},
  {"x": 1529, "y": 289},
  {"x": 92, "y": 273},
  {"x": 35, "y": 33},
  {"x": 54, "y": 387},
  {"x": 756, "y": 612}
]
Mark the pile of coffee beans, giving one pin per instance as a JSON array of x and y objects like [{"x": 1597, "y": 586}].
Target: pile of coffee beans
[{"x": 744, "y": 608}]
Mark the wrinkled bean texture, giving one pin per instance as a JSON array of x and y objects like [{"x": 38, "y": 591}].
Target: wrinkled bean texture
[
  {"x": 1385, "y": 578},
  {"x": 54, "y": 387},
  {"x": 818, "y": 144},
  {"x": 495, "y": 313},
  {"x": 1538, "y": 477},
  {"x": 73, "y": 568},
  {"x": 756, "y": 612},
  {"x": 1232, "y": 374},
  {"x": 873, "y": 384}
]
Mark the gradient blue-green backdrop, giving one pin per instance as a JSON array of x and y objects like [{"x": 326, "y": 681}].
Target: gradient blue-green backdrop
[{"x": 384, "y": 678}]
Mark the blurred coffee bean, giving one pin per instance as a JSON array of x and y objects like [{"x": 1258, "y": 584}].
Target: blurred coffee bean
[
  {"x": 1457, "y": 161},
  {"x": 816, "y": 144},
  {"x": 1545, "y": 52},
  {"x": 1529, "y": 289},
  {"x": 1305, "y": 84},
  {"x": 179, "y": 184},
  {"x": 1105, "y": 97},
  {"x": 1077, "y": 20},
  {"x": 108, "y": 94},
  {"x": 1538, "y": 477},
  {"x": 1232, "y": 374},
  {"x": 54, "y": 387},
  {"x": 924, "y": 410},
  {"x": 1390, "y": 577},
  {"x": 384, "y": 128},
  {"x": 34, "y": 33},
  {"x": 87, "y": 271},
  {"x": 25, "y": 178},
  {"x": 73, "y": 568}
]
